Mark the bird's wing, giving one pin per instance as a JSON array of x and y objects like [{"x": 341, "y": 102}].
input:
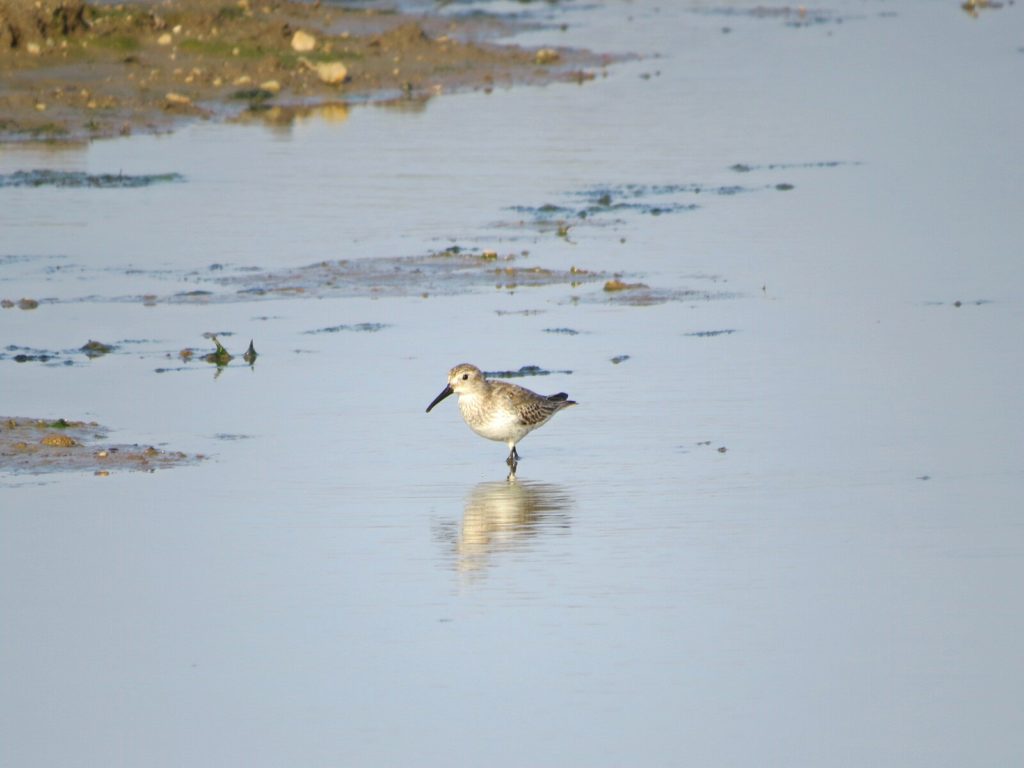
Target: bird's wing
[{"x": 529, "y": 407}]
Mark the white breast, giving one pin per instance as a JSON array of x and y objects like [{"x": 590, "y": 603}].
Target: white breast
[{"x": 493, "y": 423}]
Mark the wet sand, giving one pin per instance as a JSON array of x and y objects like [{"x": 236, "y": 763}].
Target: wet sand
[
  {"x": 71, "y": 70},
  {"x": 54, "y": 445}
]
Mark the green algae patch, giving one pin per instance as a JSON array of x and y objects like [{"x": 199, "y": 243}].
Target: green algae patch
[
  {"x": 220, "y": 356},
  {"x": 94, "y": 349}
]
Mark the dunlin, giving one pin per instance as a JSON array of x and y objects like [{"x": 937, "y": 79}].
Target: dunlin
[{"x": 499, "y": 410}]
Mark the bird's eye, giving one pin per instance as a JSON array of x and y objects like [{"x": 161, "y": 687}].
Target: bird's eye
[{"x": 465, "y": 376}]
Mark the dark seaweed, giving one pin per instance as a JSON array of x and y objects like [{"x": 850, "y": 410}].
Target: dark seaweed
[{"x": 45, "y": 177}]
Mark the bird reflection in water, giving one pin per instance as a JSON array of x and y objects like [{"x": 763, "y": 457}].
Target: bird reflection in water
[{"x": 504, "y": 516}]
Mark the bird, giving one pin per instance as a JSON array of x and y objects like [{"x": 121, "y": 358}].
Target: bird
[{"x": 499, "y": 410}]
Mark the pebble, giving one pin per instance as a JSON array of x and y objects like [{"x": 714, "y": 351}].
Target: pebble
[
  {"x": 60, "y": 441},
  {"x": 164, "y": 39},
  {"x": 303, "y": 42},
  {"x": 547, "y": 56},
  {"x": 619, "y": 285},
  {"x": 330, "y": 72},
  {"x": 179, "y": 99}
]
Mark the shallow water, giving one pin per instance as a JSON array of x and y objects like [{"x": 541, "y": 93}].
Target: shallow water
[{"x": 349, "y": 581}]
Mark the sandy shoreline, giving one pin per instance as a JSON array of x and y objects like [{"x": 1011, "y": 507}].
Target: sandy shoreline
[{"x": 72, "y": 70}]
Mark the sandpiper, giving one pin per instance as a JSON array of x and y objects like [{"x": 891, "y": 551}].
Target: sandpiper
[{"x": 499, "y": 410}]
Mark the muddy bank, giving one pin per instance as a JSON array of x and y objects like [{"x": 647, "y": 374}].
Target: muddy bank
[
  {"x": 40, "y": 446},
  {"x": 73, "y": 70}
]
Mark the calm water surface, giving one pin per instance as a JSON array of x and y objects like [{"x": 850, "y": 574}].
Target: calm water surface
[{"x": 785, "y": 531}]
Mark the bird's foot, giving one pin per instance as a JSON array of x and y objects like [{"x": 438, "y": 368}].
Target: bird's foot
[
  {"x": 513, "y": 463},
  {"x": 513, "y": 458}
]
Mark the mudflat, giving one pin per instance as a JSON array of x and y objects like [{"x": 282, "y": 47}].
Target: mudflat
[{"x": 73, "y": 70}]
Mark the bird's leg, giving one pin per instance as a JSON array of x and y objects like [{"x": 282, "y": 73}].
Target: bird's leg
[{"x": 513, "y": 463}]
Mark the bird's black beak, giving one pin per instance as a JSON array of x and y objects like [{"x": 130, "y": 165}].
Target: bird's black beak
[{"x": 444, "y": 393}]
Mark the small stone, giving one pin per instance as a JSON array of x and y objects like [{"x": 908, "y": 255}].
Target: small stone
[
  {"x": 59, "y": 441},
  {"x": 330, "y": 72},
  {"x": 271, "y": 86},
  {"x": 164, "y": 39},
  {"x": 34, "y": 49},
  {"x": 619, "y": 285},
  {"x": 303, "y": 42},
  {"x": 93, "y": 348},
  {"x": 178, "y": 99},
  {"x": 27, "y": 304},
  {"x": 547, "y": 56}
]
